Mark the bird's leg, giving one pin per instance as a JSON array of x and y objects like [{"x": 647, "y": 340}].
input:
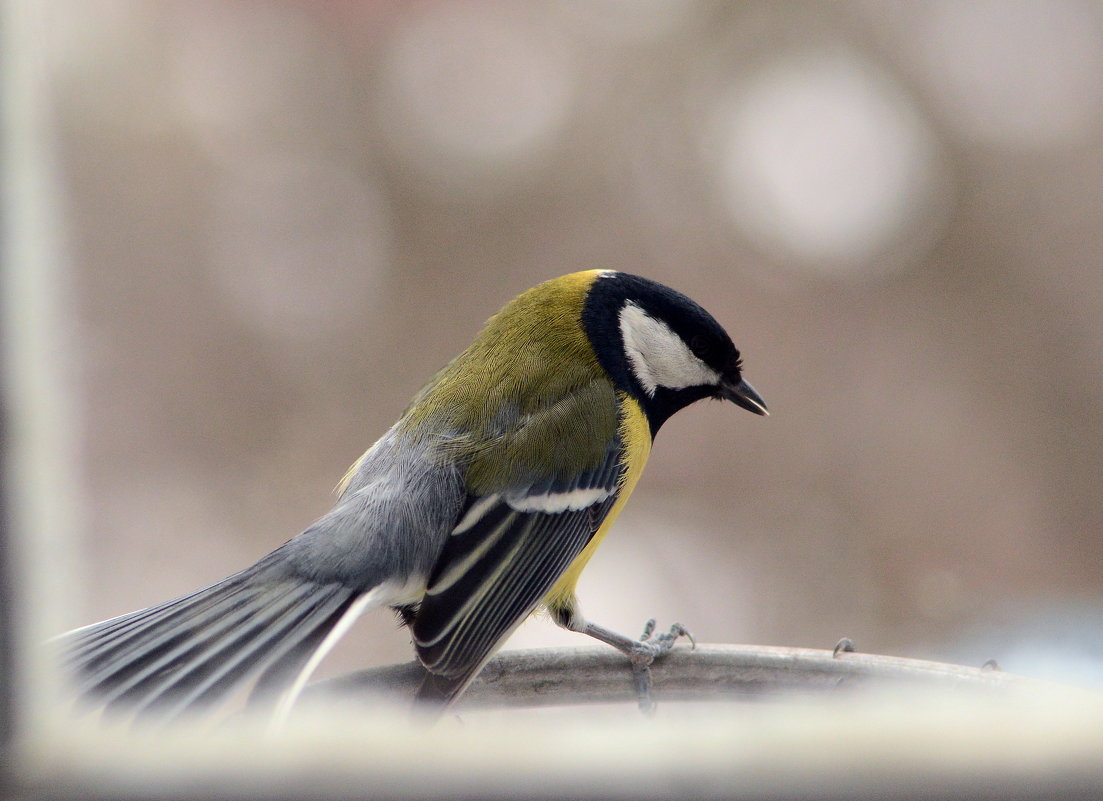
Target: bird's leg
[{"x": 641, "y": 653}]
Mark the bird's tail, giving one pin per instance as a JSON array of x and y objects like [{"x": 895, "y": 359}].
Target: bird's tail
[{"x": 197, "y": 650}]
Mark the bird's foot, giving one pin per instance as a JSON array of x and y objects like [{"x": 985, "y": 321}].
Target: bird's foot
[{"x": 641, "y": 653}]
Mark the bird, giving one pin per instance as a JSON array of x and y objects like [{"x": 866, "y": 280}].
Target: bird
[{"x": 481, "y": 505}]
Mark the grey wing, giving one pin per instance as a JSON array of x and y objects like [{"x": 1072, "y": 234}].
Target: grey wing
[{"x": 504, "y": 555}]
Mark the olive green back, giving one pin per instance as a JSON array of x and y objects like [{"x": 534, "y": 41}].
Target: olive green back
[{"x": 527, "y": 400}]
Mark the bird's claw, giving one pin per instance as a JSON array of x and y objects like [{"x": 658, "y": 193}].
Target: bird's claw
[
  {"x": 665, "y": 641},
  {"x": 641, "y": 653},
  {"x": 845, "y": 645},
  {"x": 645, "y": 651}
]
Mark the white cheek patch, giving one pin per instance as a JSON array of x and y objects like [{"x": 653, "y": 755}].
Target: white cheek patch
[{"x": 658, "y": 356}]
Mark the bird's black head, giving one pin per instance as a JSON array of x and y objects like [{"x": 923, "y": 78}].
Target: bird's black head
[{"x": 662, "y": 348}]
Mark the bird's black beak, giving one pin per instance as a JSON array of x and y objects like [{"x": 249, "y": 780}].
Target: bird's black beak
[{"x": 743, "y": 394}]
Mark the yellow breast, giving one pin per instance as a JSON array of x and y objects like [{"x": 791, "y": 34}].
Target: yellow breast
[{"x": 635, "y": 433}]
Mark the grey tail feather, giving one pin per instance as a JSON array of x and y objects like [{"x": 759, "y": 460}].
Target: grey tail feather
[{"x": 194, "y": 651}]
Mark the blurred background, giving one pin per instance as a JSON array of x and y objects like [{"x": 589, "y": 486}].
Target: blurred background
[{"x": 284, "y": 216}]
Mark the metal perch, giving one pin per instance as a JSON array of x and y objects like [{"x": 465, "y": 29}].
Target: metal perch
[{"x": 567, "y": 676}]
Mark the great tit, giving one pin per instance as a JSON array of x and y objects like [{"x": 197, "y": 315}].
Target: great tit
[{"x": 482, "y": 504}]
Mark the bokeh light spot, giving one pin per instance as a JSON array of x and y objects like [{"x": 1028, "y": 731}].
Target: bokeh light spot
[{"x": 822, "y": 159}]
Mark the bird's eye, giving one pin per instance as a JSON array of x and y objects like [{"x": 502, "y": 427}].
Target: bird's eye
[{"x": 700, "y": 345}]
